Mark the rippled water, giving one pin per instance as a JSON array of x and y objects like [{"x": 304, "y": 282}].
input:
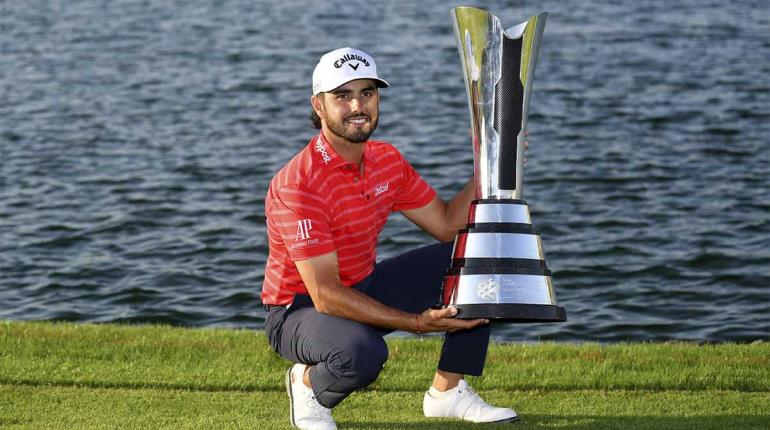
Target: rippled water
[{"x": 137, "y": 140}]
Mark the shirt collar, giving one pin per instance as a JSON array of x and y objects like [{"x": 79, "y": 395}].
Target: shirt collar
[{"x": 324, "y": 152}]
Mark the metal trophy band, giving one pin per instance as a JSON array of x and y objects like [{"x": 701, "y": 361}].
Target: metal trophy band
[{"x": 498, "y": 268}]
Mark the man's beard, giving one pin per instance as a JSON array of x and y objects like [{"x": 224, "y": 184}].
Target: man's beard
[{"x": 357, "y": 135}]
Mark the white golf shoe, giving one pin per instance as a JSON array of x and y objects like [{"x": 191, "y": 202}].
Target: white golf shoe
[
  {"x": 305, "y": 411},
  {"x": 462, "y": 402}
]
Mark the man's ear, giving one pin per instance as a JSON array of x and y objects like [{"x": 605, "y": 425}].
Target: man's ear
[{"x": 318, "y": 105}]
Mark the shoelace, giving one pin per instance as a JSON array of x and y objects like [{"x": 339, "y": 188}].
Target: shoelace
[
  {"x": 317, "y": 408},
  {"x": 475, "y": 399},
  {"x": 469, "y": 390}
]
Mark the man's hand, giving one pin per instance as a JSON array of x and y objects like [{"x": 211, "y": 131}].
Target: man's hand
[
  {"x": 433, "y": 320},
  {"x": 321, "y": 276}
]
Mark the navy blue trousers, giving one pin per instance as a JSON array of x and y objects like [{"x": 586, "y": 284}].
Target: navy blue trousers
[{"x": 348, "y": 355}]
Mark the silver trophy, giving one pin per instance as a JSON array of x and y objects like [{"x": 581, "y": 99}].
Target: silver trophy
[{"x": 498, "y": 268}]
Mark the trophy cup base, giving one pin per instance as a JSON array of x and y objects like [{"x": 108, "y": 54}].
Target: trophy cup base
[{"x": 513, "y": 313}]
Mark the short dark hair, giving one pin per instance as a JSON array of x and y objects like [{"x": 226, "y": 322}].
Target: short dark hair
[{"x": 314, "y": 118}]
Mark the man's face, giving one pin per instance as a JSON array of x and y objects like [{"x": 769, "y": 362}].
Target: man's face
[{"x": 350, "y": 111}]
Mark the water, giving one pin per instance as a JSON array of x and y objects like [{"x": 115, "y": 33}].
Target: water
[{"x": 137, "y": 140}]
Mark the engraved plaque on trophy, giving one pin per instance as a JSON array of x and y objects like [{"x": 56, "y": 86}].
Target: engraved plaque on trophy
[{"x": 498, "y": 268}]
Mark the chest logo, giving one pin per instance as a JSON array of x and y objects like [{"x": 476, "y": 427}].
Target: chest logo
[{"x": 381, "y": 188}]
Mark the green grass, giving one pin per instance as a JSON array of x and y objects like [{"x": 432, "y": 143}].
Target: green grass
[{"x": 70, "y": 376}]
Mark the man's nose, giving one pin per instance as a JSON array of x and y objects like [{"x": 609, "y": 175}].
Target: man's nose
[{"x": 355, "y": 104}]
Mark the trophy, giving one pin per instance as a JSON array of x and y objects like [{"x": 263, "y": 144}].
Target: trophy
[{"x": 498, "y": 268}]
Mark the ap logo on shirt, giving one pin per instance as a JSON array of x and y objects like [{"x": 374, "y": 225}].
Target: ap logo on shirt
[{"x": 303, "y": 229}]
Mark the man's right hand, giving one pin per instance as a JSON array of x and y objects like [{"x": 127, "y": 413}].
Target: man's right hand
[{"x": 433, "y": 320}]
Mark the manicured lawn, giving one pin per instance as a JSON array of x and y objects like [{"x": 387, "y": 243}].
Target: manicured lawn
[{"x": 68, "y": 376}]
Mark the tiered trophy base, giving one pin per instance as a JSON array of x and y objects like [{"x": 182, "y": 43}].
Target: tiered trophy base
[
  {"x": 498, "y": 269},
  {"x": 513, "y": 313}
]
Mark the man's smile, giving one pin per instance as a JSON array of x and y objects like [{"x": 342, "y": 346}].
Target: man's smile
[{"x": 358, "y": 119}]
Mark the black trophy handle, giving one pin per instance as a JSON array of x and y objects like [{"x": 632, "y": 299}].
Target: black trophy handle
[{"x": 509, "y": 101}]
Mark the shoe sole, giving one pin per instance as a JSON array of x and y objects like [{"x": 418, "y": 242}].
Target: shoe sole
[
  {"x": 505, "y": 421},
  {"x": 291, "y": 397}
]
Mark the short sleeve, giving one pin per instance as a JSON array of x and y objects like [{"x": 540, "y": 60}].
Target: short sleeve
[
  {"x": 414, "y": 191},
  {"x": 301, "y": 217}
]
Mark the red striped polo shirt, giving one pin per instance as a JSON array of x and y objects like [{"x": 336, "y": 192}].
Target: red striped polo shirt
[{"x": 319, "y": 203}]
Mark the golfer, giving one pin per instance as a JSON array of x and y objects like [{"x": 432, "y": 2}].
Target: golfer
[{"x": 328, "y": 302}]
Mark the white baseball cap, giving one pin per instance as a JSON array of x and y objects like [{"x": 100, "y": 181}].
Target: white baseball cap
[{"x": 341, "y": 66}]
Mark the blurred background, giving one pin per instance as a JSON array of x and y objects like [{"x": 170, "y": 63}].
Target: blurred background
[{"x": 138, "y": 138}]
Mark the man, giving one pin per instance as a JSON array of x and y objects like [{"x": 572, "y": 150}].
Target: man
[{"x": 329, "y": 305}]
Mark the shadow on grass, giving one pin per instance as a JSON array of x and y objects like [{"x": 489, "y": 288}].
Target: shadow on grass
[{"x": 585, "y": 422}]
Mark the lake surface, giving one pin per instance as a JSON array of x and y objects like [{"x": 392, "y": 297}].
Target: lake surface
[{"x": 137, "y": 141}]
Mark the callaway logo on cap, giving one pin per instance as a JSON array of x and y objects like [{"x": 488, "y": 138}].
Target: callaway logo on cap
[{"x": 341, "y": 66}]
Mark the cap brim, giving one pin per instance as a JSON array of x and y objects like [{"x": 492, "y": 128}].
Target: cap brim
[{"x": 377, "y": 81}]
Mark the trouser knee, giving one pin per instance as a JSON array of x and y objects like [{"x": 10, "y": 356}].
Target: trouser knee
[
  {"x": 366, "y": 364},
  {"x": 357, "y": 366},
  {"x": 347, "y": 370}
]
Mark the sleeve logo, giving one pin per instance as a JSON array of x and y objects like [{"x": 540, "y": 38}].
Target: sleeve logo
[{"x": 303, "y": 229}]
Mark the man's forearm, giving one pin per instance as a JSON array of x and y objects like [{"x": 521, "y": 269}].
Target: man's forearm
[
  {"x": 349, "y": 303},
  {"x": 457, "y": 208}
]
